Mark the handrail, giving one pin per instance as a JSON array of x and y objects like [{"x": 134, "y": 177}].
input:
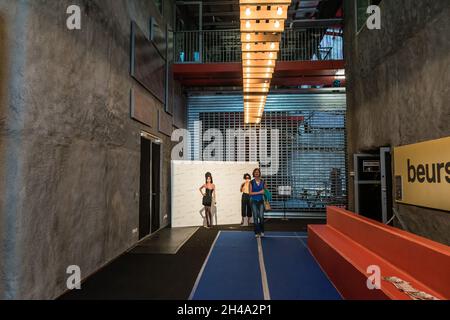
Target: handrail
[{"x": 215, "y": 46}]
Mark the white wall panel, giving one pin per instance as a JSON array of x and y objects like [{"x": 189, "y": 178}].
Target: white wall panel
[{"x": 189, "y": 176}]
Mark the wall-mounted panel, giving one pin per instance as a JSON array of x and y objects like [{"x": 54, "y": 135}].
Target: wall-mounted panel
[
  {"x": 158, "y": 36},
  {"x": 165, "y": 123},
  {"x": 148, "y": 67},
  {"x": 170, "y": 81},
  {"x": 179, "y": 110},
  {"x": 144, "y": 107}
]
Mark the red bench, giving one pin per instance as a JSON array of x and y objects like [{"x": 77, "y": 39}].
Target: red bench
[{"x": 350, "y": 243}]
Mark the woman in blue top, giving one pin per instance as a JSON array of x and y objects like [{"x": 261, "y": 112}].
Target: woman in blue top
[{"x": 257, "y": 188}]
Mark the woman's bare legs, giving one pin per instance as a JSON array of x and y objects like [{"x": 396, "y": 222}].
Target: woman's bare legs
[{"x": 208, "y": 217}]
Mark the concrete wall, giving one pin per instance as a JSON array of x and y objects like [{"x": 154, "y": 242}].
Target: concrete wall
[
  {"x": 69, "y": 152},
  {"x": 399, "y": 89}
]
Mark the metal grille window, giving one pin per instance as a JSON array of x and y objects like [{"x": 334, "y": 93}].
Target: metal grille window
[{"x": 311, "y": 152}]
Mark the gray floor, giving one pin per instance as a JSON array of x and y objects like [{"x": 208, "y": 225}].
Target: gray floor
[{"x": 166, "y": 241}]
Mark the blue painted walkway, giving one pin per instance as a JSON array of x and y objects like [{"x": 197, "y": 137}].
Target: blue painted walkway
[{"x": 232, "y": 270}]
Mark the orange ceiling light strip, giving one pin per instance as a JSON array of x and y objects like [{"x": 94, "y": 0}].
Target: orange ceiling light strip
[
  {"x": 256, "y": 81},
  {"x": 260, "y": 37},
  {"x": 266, "y": 12},
  {"x": 261, "y": 47},
  {"x": 262, "y": 23},
  {"x": 253, "y": 69},
  {"x": 260, "y": 55},
  {"x": 256, "y": 86},
  {"x": 258, "y": 63},
  {"x": 262, "y": 26},
  {"x": 265, "y": 2}
]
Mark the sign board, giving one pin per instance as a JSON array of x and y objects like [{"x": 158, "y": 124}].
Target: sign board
[
  {"x": 284, "y": 190},
  {"x": 422, "y": 174},
  {"x": 371, "y": 166}
]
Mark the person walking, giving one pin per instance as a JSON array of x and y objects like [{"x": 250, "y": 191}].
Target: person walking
[
  {"x": 245, "y": 203},
  {"x": 257, "y": 190}
]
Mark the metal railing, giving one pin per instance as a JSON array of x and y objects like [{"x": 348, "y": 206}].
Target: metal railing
[
  {"x": 316, "y": 43},
  {"x": 312, "y": 44},
  {"x": 207, "y": 46}
]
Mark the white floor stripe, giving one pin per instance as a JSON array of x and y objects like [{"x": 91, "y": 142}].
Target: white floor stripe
[
  {"x": 194, "y": 289},
  {"x": 262, "y": 266}
]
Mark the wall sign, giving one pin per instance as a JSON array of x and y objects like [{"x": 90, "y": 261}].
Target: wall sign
[
  {"x": 285, "y": 190},
  {"x": 371, "y": 166},
  {"x": 422, "y": 174}
]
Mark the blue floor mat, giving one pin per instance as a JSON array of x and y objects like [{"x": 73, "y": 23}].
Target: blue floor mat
[
  {"x": 232, "y": 271},
  {"x": 286, "y": 234},
  {"x": 293, "y": 273}
]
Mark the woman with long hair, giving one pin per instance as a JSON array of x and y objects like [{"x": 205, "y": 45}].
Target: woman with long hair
[
  {"x": 245, "y": 202},
  {"x": 257, "y": 190},
  {"x": 208, "y": 191}
]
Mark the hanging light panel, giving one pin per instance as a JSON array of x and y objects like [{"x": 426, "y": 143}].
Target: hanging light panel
[{"x": 262, "y": 23}]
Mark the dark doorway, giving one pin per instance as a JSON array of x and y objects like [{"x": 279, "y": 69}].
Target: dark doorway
[
  {"x": 150, "y": 187},
  {"x": 145, "y": 188},
  {"x": 156, "y": 186},
  {"x": 373, "y": 185},
  {"x": 368, "y": 186}
]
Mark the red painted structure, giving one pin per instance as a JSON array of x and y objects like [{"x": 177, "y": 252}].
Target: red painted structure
[
  {"x": 294, "y": 73},
  {"x": 349, "y": 244}
]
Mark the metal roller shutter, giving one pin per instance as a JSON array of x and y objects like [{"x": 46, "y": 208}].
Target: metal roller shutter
[{"x": 311, "y": 153}]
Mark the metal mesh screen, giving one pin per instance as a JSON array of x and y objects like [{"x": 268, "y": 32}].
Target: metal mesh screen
[{"x": 309, "y": 131}]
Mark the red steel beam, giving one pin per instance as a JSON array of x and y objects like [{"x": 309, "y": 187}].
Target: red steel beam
[
  {"x": 230, "y": 74},
  {"x": 287, "y": 81},
  {"x": 236, "y": 67}
]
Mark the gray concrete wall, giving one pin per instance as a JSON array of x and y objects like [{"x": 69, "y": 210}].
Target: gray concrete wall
[
  {"x": 399, "y": 89},
  {"x": 69, "y": 152}
]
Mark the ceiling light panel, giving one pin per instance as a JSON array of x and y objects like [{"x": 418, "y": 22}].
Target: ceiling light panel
[
  {"x": 260, "y": 55},
  {"x": 262, "y": 22},
  {"x": 262, "y": 25},
  {"x": 260, "y": 37},
  {"x": 267, "y": 12},
  {"x": 261, "y": 47},
  {"x": 258, "y": 63}
]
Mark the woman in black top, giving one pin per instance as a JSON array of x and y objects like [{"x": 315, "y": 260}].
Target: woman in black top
[
  {"x": 209, "y": 196},
  {"x": 246, "y": 206}
]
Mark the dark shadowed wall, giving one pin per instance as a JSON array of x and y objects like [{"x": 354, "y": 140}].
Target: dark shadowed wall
[
  {"x": 399, "y": 89},
  {"x": 69, "y": 151}
]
